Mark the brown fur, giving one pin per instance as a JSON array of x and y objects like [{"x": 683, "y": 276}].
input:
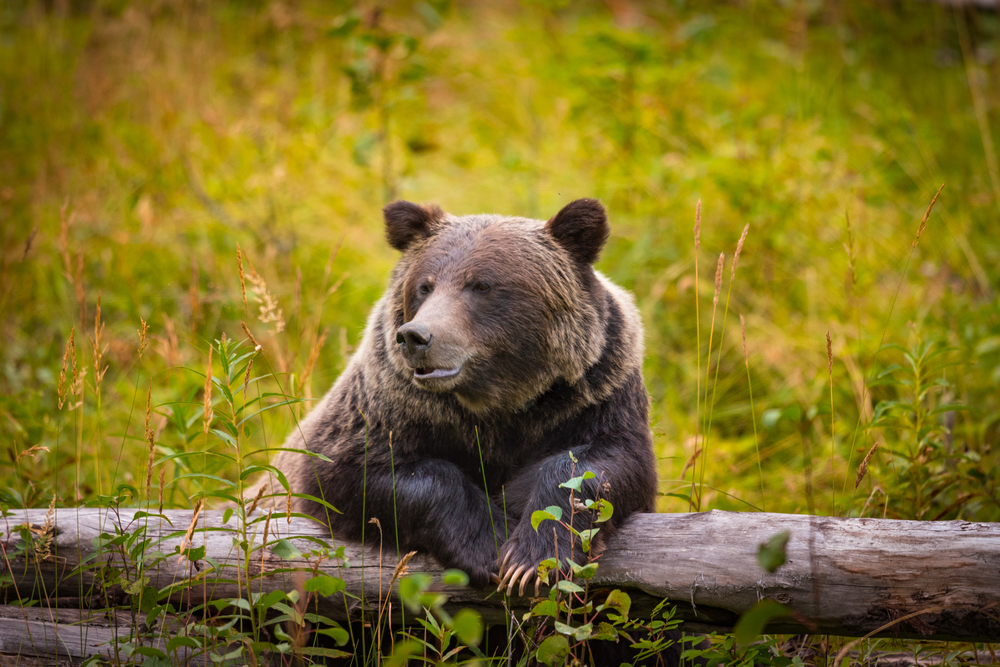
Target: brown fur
[{"x": 549, "y": 353}]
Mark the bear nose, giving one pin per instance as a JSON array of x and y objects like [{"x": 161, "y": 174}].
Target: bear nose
[{"x": 416, "y": 337}]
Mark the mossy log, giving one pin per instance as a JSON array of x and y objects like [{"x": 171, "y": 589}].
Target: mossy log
[{"x": 849, "y": 577}]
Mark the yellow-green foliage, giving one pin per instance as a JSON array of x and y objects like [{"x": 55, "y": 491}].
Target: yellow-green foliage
[{"x": 168, "y": 132}]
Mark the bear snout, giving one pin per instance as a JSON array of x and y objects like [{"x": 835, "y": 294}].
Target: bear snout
[{"x": 414, "y": 337}]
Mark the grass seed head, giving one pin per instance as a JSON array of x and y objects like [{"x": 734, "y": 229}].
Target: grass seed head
[
  {"x": 863, "y": 468},
  {"x": 927, "y": 214},
  {"x": 697, "y": 225},
  {"x": 718, "y": 278},
  {"x": 256, "y": 499},
  {"x": 739, "y": 249},
  {"x": 246, "y": 376},
  {"x": 190, "y": 531},
  {"x": 829, "y": 354},
  {"x": 313, "y": 358},
  {"x": 143, "y": 340},
  {"x": 246, "y": 329},
  {"x": 268, "y": 312},
  {"x": 70, "y": 350},
  {"x": 99, "y": 349},
  {"x": 243, "y": 282}
]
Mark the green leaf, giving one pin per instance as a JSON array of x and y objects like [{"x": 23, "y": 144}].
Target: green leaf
[
  {"x": 770, "y": 418},
  {"x": 178, "y": 641},
  {"x": 605, "y": 631},
  {"x": 604, "y": 510},
  {"x": 553, "y": 512},
  {"x": 134, "y": 588},
  {"x": 455, "y": 578},
  {"x": 324, "y": 652},
  {"x": 284, "y": 550},
  {"x": 553, "y": 651},
  {"x": 468, "y": 625},
  {"x": 337, "y": 633},
  {"x": 586, "y": 538},
  {"x": 227, "y": 515},
  {"x": 576, "y": 482},
  {"x": 567, "y": 586},
  {"x": 618, "y": 601},
  {"x": 147, "y": 599},
  {"x": 751, "y": 624},
  {"x": 771, "y": 554},
  {"x": 545, "y": 608},
  {"x": 325, "y": 585}
]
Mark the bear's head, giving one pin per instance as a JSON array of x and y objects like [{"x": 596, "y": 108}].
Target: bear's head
[{"x": 495, "y": 310}]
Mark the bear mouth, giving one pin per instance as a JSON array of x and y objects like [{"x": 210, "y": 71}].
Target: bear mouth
[{"x": 435, "y": 373}]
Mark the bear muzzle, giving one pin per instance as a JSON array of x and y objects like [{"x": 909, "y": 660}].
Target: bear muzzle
[{"x": 415, "y": 340}]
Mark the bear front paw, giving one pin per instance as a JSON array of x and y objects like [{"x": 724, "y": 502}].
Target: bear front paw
[{"x": 520, "y": 556}]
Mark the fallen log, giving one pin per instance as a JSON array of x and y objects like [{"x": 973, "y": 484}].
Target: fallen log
[{"x": 848, "y": 577}]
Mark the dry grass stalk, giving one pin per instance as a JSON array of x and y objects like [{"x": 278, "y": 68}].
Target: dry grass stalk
[
  {"x": 81, "y": 297},
  {"x": 243, "y": 282},
  {"x": 65, "y": 222},
  {"x": 143, "y": 340},
  {"x": 70, "y": 351},
  {"x": 697, "y": 374},
  {"x": 340, "y": 281},
  {"x": 927, "y": 214},
  {"x": 256, "y": 499},
  {"x": 163, "y": 472},
  {"x": 246, "y": 329},
  {"x": 168, "y": 345},
  {"x": 288, "y": 507},
  {"x": 190, "y": 531},
  {"x": 829, "y": 354},
  {"x": 246, "y": 376},
  {"x": 718, "y": 281},
  {"x": 313, "y": 358},
  {"x": 863, "y": 468},
  {"x": 43, "y": 547},
  {"x": 298, "y": 291},
  {"x": 194, "y": 299},
  {"x": 151, "y": 439},
  {"x": 75, "y": 277},
  {"x": 739, "y": 249},
  {"x": 697, "y": 225},
  {"x": 207, "y": 412},
  {"x": 743, "y": 333},
  {"x": 267, "y": 527},
  {"x": 691, "y": 461},
  {"x": 852, "y": 278},
  {"x": 32, "y": 452},
  {"x": 99, "y": 350},
  {"x": 268, "y": 311}
]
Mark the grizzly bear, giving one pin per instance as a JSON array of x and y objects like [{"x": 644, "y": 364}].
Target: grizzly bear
[{"x": 496, "y": 350}]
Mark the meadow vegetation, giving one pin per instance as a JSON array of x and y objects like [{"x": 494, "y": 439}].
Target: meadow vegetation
[{"x": 189, "y": 167}]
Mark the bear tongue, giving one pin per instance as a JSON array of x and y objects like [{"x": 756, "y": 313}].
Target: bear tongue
[{"x": 427, "y": 373}]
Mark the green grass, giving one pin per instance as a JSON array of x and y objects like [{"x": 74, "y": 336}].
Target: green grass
[{"x": 171, "y": 134}]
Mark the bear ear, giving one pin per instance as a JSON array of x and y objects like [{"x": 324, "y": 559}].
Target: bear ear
[
  {"x": 581, "y": 227},
  {"x": 406, "y": 222}
]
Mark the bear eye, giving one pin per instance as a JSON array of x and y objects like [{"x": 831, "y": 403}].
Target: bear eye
[
  {"x": 481, "y": 287},
  {"x": 425, "y": 288}
]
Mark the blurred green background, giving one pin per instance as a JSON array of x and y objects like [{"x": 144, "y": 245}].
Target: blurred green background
[{"x": 141, "y": 142}]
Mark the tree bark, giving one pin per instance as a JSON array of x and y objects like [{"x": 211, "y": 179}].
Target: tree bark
[{"x": 844, "y": 577}]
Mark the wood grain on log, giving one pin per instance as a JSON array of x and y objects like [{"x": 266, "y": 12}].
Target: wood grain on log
[{"x": 843, "y": 576}]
